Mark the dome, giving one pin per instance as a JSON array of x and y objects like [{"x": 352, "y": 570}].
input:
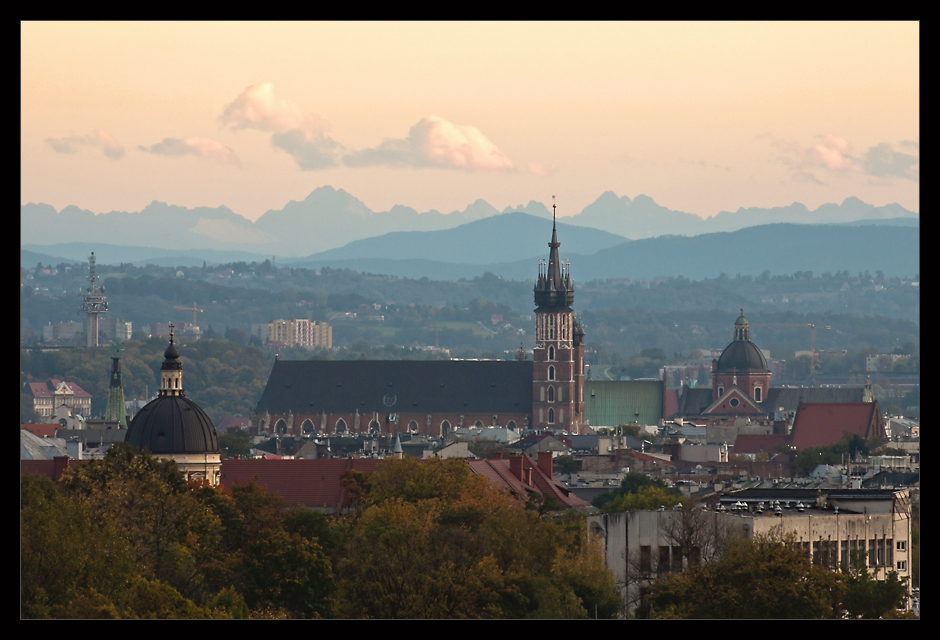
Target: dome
[
  {"x": 173, "y": 425},
  {"x": 171, "y": 353},
  {"x": 742, "y": 356}
]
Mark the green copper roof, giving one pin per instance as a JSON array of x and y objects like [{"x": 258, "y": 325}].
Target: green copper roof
[{"x": 607, "y": 404}]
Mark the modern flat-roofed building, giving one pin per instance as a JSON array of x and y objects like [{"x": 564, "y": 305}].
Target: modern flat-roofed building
[{"x": 831, "y": 527}]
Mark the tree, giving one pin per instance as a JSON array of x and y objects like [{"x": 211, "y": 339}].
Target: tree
[
  {"x": 765, "y": 578},
  {"x": 428, "y": 539},
  {"x": 868, "y": 598}
]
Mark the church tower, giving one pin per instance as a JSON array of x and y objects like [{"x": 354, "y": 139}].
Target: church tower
[{"x": 558, "y": 371}]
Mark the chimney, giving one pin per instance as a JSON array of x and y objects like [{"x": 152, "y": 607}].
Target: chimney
[
  {"x": 545, "y": 463},
  {"x": 515, "y": 466}
]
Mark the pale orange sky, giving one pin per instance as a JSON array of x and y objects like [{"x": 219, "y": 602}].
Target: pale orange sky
[{"x": 702, "y": 117}]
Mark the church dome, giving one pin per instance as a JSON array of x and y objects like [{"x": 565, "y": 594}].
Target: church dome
[
  {"x": 742, "y": 355},
  {"x": 173, "y": 425}
]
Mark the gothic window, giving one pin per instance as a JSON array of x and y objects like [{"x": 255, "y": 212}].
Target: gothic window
[
  {"x": 551, "y": 353},
  {"x": 340, "y": 426},
  {"x": 478, "y": 424},
  {"x": 542, "y": 394},
  {"x": 551, "y": 416},
  {"x": 511, "y": 425},
  {"x": 280, "y": 427},
  {"x": 551, "y": 373},
  {"x": 551, "y": 394},
  {"x": 307, "y": 426},
  {"x": 373, "y": 427},
  {"x": 445, "y": 429},
  {"x": 413, "y": 427}
]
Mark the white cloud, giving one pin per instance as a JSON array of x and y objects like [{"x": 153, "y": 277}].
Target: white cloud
[
  {"x": 202, "y": 147},
  {"x": 834, "y": 154},
  {"x": 539, "y": 169},
  {"x": 436, "y": 142},
  {"x": 302, "y": 135},
  {"x": 99, "y": 138}
]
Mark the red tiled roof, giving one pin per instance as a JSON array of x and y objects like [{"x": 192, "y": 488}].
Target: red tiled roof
[
  {"x": 51, "y": 468},
  {"x": 45, "y": 389},
  {"x": 823, "y": 423},
  {"x": 755, "y": 443},
  {"x": 498, "y": 472},
  {"x": 41, "y": 430},
  {"x": 313, "y": 483}
]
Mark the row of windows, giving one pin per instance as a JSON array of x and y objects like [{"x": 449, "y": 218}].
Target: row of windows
[
  {"x": 341, "y": 427},
  {"x": 830, "y": 553}
]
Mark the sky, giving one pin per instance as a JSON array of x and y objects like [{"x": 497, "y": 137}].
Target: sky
[{"x": 700, "y": 116}]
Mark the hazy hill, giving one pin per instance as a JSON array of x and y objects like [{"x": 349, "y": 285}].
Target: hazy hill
[
  {"x": 488, "y": 241},
  {"x": 329, "y": 218},
  {"x": 780, "y": 248}
]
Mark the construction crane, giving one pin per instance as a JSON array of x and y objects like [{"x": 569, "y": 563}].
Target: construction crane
[
  {"x": 193, "y": 309},
  {"x": 812, "y": 338}
]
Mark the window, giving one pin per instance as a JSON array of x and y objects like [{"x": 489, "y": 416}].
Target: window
[
  {"x": 734, "y": 402},
  {"x": 901, "y": 545},
  {"x": 645, "y": 558},
  {"x": 757, "y": 393},
  {"x": 413, "y": 427},
  {"x": 902, "y": 565},
  {"x": 721, "y": 391},
  {"x": 551, "y": 416},
  {"x": 373, "y": 427},
  {"x": 551, "y": 353},
  {"x": 445, "y": 429},
  {"x": 340, "y": 426},
  {"x": 551, "y": 394},
  {"x": 551, "y": 373},
  {"x": 663, "y": 565}
]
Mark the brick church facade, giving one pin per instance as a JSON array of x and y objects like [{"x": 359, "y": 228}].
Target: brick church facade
[{"x": 431, "y": 398}]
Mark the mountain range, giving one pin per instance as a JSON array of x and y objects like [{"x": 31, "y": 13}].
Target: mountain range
[{"x": 331, "y": 218}]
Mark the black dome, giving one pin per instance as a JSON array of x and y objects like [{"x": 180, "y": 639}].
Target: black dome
[
  {"x": 172, "y": 424},
  {"x": 742, "y": 356}
]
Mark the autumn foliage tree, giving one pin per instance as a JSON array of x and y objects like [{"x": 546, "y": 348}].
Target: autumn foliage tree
[{"x": 427, "y": 539}]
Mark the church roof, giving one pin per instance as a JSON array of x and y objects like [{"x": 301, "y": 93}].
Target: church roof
[
  {"x": 398, "y": 386},
  {"x": 173, "y": 424},
  {"x": 788, "y": 398},
  {"x": 742, "y": 356}
]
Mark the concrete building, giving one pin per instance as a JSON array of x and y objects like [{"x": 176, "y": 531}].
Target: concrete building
[
  {"x": 829, "y": 526},
  {"x": 301, "y": 332}
]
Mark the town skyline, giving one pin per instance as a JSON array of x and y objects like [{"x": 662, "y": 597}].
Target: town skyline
[{"x": 702, "y": 117}]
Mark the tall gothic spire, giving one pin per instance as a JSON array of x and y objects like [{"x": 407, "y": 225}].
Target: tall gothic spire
[{"x": 553, "y": 287}]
